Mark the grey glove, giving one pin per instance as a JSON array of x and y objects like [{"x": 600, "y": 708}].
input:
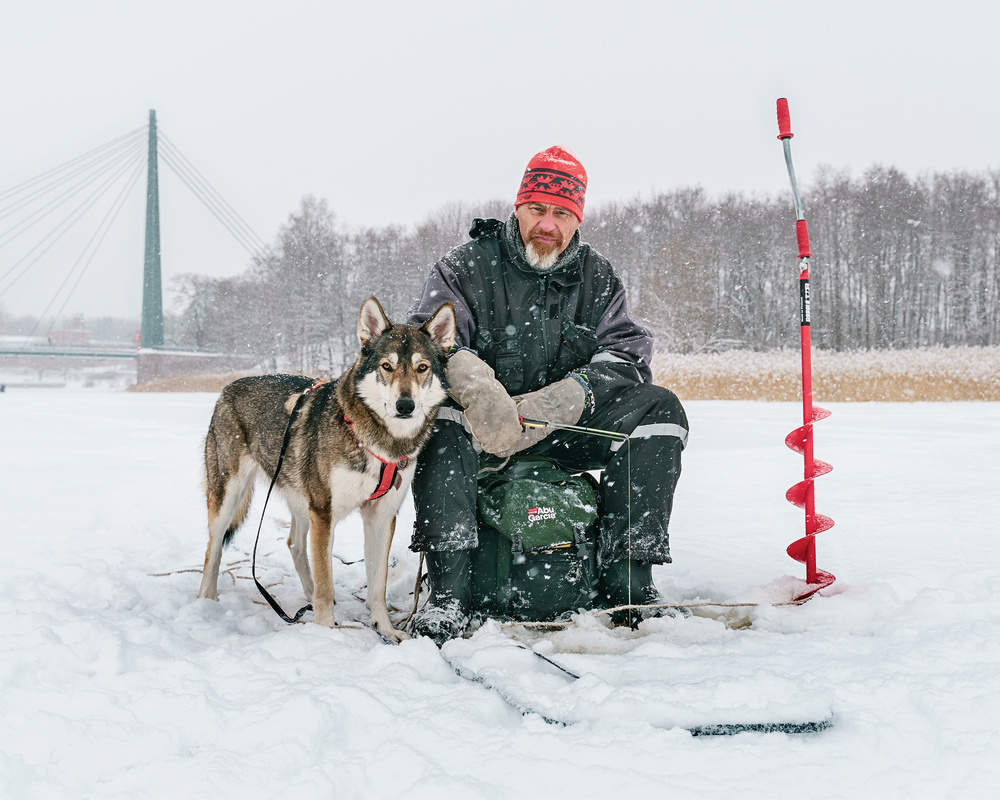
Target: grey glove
[
  {"x": 490, "y": 412},
  {"x": 561, "y": 402}
]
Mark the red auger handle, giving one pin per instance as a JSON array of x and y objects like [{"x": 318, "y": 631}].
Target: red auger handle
[
  {"x": 784, "y": 120},
  {"x": 802, "y": 237}
]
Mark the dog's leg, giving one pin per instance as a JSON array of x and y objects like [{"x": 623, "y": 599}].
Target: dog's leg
[
  {"x": 297, "y": 543},
  {"x": 380, "y": 524},
  {"x": 213, "y": 556},
  {"x": 321, "y": 545},
  {"x": 228, "y": 500}
]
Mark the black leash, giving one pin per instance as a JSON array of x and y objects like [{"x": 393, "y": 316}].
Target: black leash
[{"x": 281, "y": 457}]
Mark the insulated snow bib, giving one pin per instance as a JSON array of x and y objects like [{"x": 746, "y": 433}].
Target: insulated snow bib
[{"x": 537, "y": 553}]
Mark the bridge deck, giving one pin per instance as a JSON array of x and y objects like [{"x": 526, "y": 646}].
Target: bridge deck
[{"x": 59, "y": 351}]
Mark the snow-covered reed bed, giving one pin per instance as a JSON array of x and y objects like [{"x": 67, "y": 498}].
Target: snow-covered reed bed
[{"x": 939, "y": 373}]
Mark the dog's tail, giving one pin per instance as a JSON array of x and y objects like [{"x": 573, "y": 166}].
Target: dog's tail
[
  {"x": 218, "y": 485},
  {"x": 215, "y": 503},
  {"x": 238, "y": 517}
]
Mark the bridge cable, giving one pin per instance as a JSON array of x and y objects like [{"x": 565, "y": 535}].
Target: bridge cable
[
  {"x": 19, "y": 200},
  {"x": 211, "y": 198},
  {"x": 109, "y": 161},
  {"x": 102, "y": 231},
  {"x": 172, "y": 150},
  {"x": 27, "y": 222},
  {"x": 22, "y": 186},
  {"x": 61, "y": 229},
  {"x": 242, "y": 239}
]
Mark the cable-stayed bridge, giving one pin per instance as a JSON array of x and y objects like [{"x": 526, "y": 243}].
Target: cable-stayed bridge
[{"x": 88, "y": 193}]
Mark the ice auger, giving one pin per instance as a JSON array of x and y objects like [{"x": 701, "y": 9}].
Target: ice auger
[{"x": 801, "y": 439}]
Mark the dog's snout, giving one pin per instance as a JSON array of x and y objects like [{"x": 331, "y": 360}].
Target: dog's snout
[{"x": 405, "y": 406}]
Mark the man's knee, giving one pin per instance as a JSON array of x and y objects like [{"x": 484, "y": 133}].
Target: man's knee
[
  {"x": 660, "y": 414},
  {"x": 664, "y": 404},
  {"x": 444, "y": 491},
  {"x": 448, "y": 438}
]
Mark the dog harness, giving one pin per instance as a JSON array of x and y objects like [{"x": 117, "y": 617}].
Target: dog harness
[{"x": 389, "y": 474}]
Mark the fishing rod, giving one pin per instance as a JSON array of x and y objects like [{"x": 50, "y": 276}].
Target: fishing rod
[{"x": 538, "y": 423}]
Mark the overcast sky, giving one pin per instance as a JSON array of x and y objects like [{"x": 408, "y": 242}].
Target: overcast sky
[{"x": 389, "y": 110}]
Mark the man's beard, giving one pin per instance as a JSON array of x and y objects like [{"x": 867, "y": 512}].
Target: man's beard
[{"x": 541, "y": 255}]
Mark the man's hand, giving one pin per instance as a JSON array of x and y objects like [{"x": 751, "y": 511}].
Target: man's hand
[
  {"x": 490, "y": 412},
  {"x": 561, "y": 402}
]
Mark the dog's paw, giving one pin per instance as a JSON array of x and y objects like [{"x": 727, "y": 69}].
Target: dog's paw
[
  {"x": 394, "y": 635},
  {"x": 384, "y": 628},
  {"x": 324, "y": 614}
]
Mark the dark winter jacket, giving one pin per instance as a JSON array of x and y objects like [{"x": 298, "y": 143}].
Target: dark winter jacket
[{"x": 534, "y": 327}]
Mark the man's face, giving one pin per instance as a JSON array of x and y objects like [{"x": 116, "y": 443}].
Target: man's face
[{"x": 546, "y": 230}]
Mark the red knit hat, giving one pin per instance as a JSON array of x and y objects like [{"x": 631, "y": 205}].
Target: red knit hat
[{"x": 554, "y": 176}]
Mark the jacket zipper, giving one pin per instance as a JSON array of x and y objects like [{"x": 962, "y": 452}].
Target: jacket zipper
[{"x": 543, "y": 321}]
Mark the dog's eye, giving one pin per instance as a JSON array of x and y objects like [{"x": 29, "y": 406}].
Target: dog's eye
[
  {"x": 423, "y": 367},
  {"x": 386, "y": 366}
]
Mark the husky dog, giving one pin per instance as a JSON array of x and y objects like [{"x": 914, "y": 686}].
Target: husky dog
[{"x": 351, "y": 446}]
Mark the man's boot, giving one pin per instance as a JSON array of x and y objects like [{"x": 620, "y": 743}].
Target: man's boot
[
  {"x": 625, "y": 582},
  {"x": 445, "y": 615}
]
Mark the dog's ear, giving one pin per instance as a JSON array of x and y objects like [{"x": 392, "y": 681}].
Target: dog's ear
[
  {"x": 441, "y": 327},
  {"x": 372, "y": 321}
]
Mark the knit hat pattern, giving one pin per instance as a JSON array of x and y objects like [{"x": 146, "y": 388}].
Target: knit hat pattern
[{"x": 554, "y": 176}]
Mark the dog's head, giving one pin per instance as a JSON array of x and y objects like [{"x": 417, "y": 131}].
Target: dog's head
[{"x": 402, "y": 367}]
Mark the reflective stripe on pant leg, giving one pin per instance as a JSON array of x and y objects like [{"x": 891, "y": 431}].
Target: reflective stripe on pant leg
[
  {"x": 656, "y": 429},
  {"x": 457, "y": 416},
  {"x": 453, "y": 415}
]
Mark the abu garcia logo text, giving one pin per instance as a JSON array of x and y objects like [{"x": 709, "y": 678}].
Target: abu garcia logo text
[{"x": 541, "y": 513}]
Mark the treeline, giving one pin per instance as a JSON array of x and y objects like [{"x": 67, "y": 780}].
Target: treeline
[{"x": 897, "y": 263}]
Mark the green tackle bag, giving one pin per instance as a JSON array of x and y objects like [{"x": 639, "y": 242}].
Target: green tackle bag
[{"x": 537, "y": 553}]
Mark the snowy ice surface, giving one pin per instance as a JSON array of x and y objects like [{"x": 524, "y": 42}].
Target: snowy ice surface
[{"x": 116, "y": 682}]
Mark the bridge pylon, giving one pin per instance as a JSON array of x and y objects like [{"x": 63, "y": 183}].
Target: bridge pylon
[{"x": 152, "y": 281}]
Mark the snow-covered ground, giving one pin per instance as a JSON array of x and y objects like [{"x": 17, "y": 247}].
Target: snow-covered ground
[{"x": 116, "y": 682}]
